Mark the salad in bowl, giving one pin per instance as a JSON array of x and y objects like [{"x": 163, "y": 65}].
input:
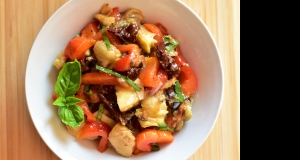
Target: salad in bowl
[
  {"x": 124, "y": 80},
  {"x": 124, "y": 83}
]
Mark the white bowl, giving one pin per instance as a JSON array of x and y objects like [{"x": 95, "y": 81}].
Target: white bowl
[{"x": 196, "y": 42}]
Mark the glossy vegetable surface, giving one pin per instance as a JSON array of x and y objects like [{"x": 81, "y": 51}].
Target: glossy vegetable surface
[
  {"x": 148, "y": 136},
  {"x": 93, "y": 129}
]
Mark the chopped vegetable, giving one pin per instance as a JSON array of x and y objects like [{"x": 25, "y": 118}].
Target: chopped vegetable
[
  {"x": 87, "y": 90},
  {"x": 146, "y": 39},
  {"x": 60, "y": 60},
  {"x": 153, "y": 111},
  {"x": 106, "y": 119},
  {"x": 106, "y": 40},
  {"x": 179, "y": 91},
  {"x": 87, "y": 112},
  {"x": 93, "y": 129},
  {"x": 148, "y": 74},
  {"x": 154, "y": 29},
  {"x": 113, "y": 39},
  {"x": 94, "y": 97},
  {"x": 91, "y": 31},
  {"x": 126, "y": 98},
  {"x": 129, "y": 81},
  {"x": 155, "y": 147},
  {"x": 146, "y": 137},
  {"x": 122, "y": 140},
  {"x": 77, "y": 46},
  {"x": 124, "y": 63},
  {"x": 105, "y": 20},
  {"x": 106, "y": 57},
  {"x": 102, "y": 78},
  {"x": 100, "y": 111},
  {"x": 187, "y": 77},
  {"x": 164, "y": 127},
  {"x": 171, "y": 43}
]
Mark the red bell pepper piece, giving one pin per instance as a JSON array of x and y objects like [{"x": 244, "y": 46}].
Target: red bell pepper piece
[
  {"x": 93, "y": 129},
  {"x": 115, "y": 13},
  {"x": 148, "y": 75},
  {"x": 101, "y": 78},
  {"x": 162, "y": 28},
  {"x": 148, "y": 136},
  {"x": 124, "y": 63},
  {"x": 154, "y": 29},
  {"x": 86, "y": 110},
  {"x": 91, "y": 31},
  {"x": 113, "y": 39},
  {"x": 77, "y": 46},
  {"x": 187, "y": 77}
]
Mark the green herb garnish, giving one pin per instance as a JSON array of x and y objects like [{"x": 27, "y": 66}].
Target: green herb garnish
[
  {"x": 178, "y": 91},
  {"x": 100, "y": 111},
  {"x": 105, "y": 38},
  {"x": 170, "y": 43},
  {"x": 154, "y": 147},
  {"x": 129, "y": 81},
  {"x": 164, "y": 127},
  {"x": 87, "y": 90},
  {"x": 66, "y": 86}
]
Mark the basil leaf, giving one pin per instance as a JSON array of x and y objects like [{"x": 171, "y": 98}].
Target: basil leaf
[
  {"x": 170, "y": 43},
  {"x": 100, "y": 111},
  {"x": 164, "y": 127},
  {"x": 69, "y": 79},
  {"x": 87, "y": 90},
  {"x": 72, "y": 115},
  {"x": 60, "y": 102},
  {"x": 73, "y": 100},
  {"x": 105, "y": 38},
  {"x": 129, "y": 81},
  {"x": 154, "y": 147},
  {"x": 178, "y": 91}
]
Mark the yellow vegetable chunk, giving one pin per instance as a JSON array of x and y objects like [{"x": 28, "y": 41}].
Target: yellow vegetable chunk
[
  {"x": 153, "y": 111},
  {"x": 105, "y": 56},
  {"x": 146, "y": 39},
  {"x": 126, "y": 98}
]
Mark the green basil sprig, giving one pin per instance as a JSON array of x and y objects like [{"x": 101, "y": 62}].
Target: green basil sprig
[{"x": 66, "y": 86}]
